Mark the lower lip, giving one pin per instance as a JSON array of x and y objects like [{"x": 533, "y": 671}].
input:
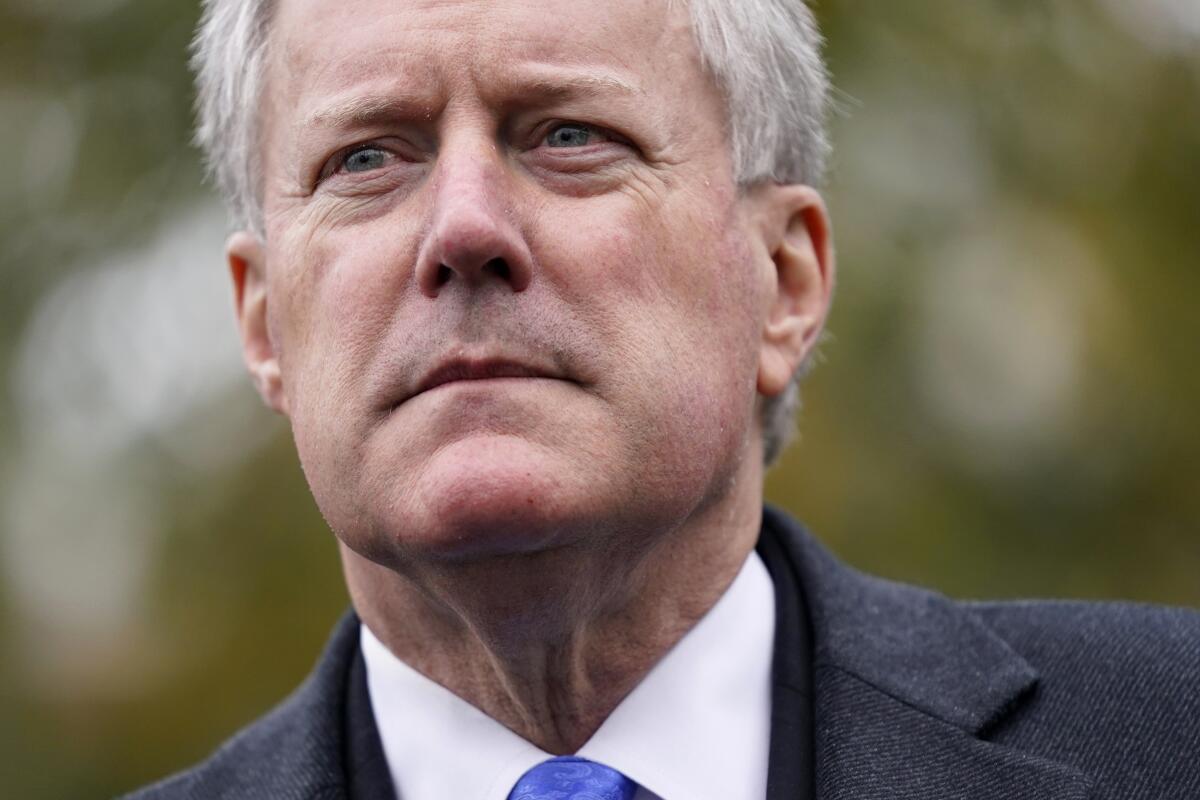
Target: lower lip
[{"x": 485, "y": 383}]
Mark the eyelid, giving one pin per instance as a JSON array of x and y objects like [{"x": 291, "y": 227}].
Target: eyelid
[
  {"x": 335, "y": 164},
  {"x": 544, "y": 130}
]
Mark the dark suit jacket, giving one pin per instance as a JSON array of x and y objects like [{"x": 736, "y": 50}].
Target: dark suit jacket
[{"x": 881, "y": 691}]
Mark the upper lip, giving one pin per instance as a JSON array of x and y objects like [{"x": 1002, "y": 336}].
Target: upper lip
[{"x": 476, "y": 369}]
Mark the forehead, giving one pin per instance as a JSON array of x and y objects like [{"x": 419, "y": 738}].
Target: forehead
[{"x": 324, "y": 46}]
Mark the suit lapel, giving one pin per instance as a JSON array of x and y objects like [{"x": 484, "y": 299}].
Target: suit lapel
[
  {"x": 790, "y": 772},
  {"x": 906, "y": 685},
  {"x": 872, "y": 746},
  {"x": 367, "y": 773}
]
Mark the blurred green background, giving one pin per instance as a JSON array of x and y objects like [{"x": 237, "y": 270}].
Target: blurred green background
[{"x": 1008, "y": 404}]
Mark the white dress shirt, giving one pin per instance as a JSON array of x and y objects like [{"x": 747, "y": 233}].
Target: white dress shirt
[{"x": 696, "y": 728}]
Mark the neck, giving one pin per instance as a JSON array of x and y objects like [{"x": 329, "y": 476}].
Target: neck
[{"x": 548, "y": 644}]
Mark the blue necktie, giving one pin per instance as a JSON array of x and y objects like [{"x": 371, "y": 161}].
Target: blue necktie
[{"x": 571, "y": 778}]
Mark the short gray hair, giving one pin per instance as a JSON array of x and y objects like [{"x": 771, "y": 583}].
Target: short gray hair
[{"x": 765, "y": 55}]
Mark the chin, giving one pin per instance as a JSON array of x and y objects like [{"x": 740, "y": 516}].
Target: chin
[{"x": 494, "y": 495}]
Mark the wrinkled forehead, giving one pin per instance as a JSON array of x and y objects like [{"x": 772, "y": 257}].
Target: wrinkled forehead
[{"x": 324, "y": 46}]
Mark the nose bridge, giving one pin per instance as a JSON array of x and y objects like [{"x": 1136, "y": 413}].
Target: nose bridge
[
  {"x": 468, "y": 166},
  {"x": 473, "y": 237},
  {"x": 469, "y": 208}
]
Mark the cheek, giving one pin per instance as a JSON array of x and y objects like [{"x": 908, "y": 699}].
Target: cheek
[
  {"x": 334, "y": 302},
  {"x": 710, "y": 332},
  {"x": 675, "y": 279},
  {"x": 674, "y": 297},
  {"x": 670, "y": 263},
  {"x": 339, "y": 291}
]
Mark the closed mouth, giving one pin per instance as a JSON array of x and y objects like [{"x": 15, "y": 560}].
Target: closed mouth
[{"x": 477, "y": 370}]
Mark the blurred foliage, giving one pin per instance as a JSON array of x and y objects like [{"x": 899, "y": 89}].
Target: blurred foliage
[{"x": 1007, "y": 403}]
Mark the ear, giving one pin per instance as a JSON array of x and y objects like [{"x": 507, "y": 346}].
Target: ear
[
  {"x": 795, "y": 229},
  {"x": 247, "y": 267}
]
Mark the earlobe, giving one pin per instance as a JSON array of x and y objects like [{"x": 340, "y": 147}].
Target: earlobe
[
  {"x": 247, "y": 268},
  {"x": 800, "y": 245}
]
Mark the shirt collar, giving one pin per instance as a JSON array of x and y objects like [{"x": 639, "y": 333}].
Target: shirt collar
[{"x": 696, "y": 728}]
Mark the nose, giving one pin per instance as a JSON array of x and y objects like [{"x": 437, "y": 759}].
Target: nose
[{"x": 473, "y": 237}]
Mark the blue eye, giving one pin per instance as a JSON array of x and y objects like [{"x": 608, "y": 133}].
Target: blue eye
[
  {"x": 364, "y": 159},
  {"x": 569, "y": 136}
]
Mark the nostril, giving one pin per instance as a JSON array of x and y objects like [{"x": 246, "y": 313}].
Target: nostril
[
  {"x": 473, "y": 274},
  {"x": 497, "y": 267}
]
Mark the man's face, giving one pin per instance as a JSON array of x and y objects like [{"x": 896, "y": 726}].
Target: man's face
[{"x": 507, "y": 275}]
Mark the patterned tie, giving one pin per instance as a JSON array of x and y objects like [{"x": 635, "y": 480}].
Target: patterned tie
[{"x": 571, "y": 778}]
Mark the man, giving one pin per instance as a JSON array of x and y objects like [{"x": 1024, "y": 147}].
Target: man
[{"x": 533, "y": 285}]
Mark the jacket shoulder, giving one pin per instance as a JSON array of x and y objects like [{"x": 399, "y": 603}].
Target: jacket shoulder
[
  {"x": 1100, "y": 641},
  {"x": 1118, "y": 692},
  {"x": 293, "y": 752},
  {"x": 241, "y": 766}
]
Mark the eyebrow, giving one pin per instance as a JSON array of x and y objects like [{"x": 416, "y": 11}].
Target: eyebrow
[
  {"x": 531, "y": 89},
  {"x": 361, "y": 112},
  {"x": 575, "y": 84}
]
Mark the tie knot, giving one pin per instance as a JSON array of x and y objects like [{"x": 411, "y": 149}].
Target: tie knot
[{"x": 571, "y": 778}]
